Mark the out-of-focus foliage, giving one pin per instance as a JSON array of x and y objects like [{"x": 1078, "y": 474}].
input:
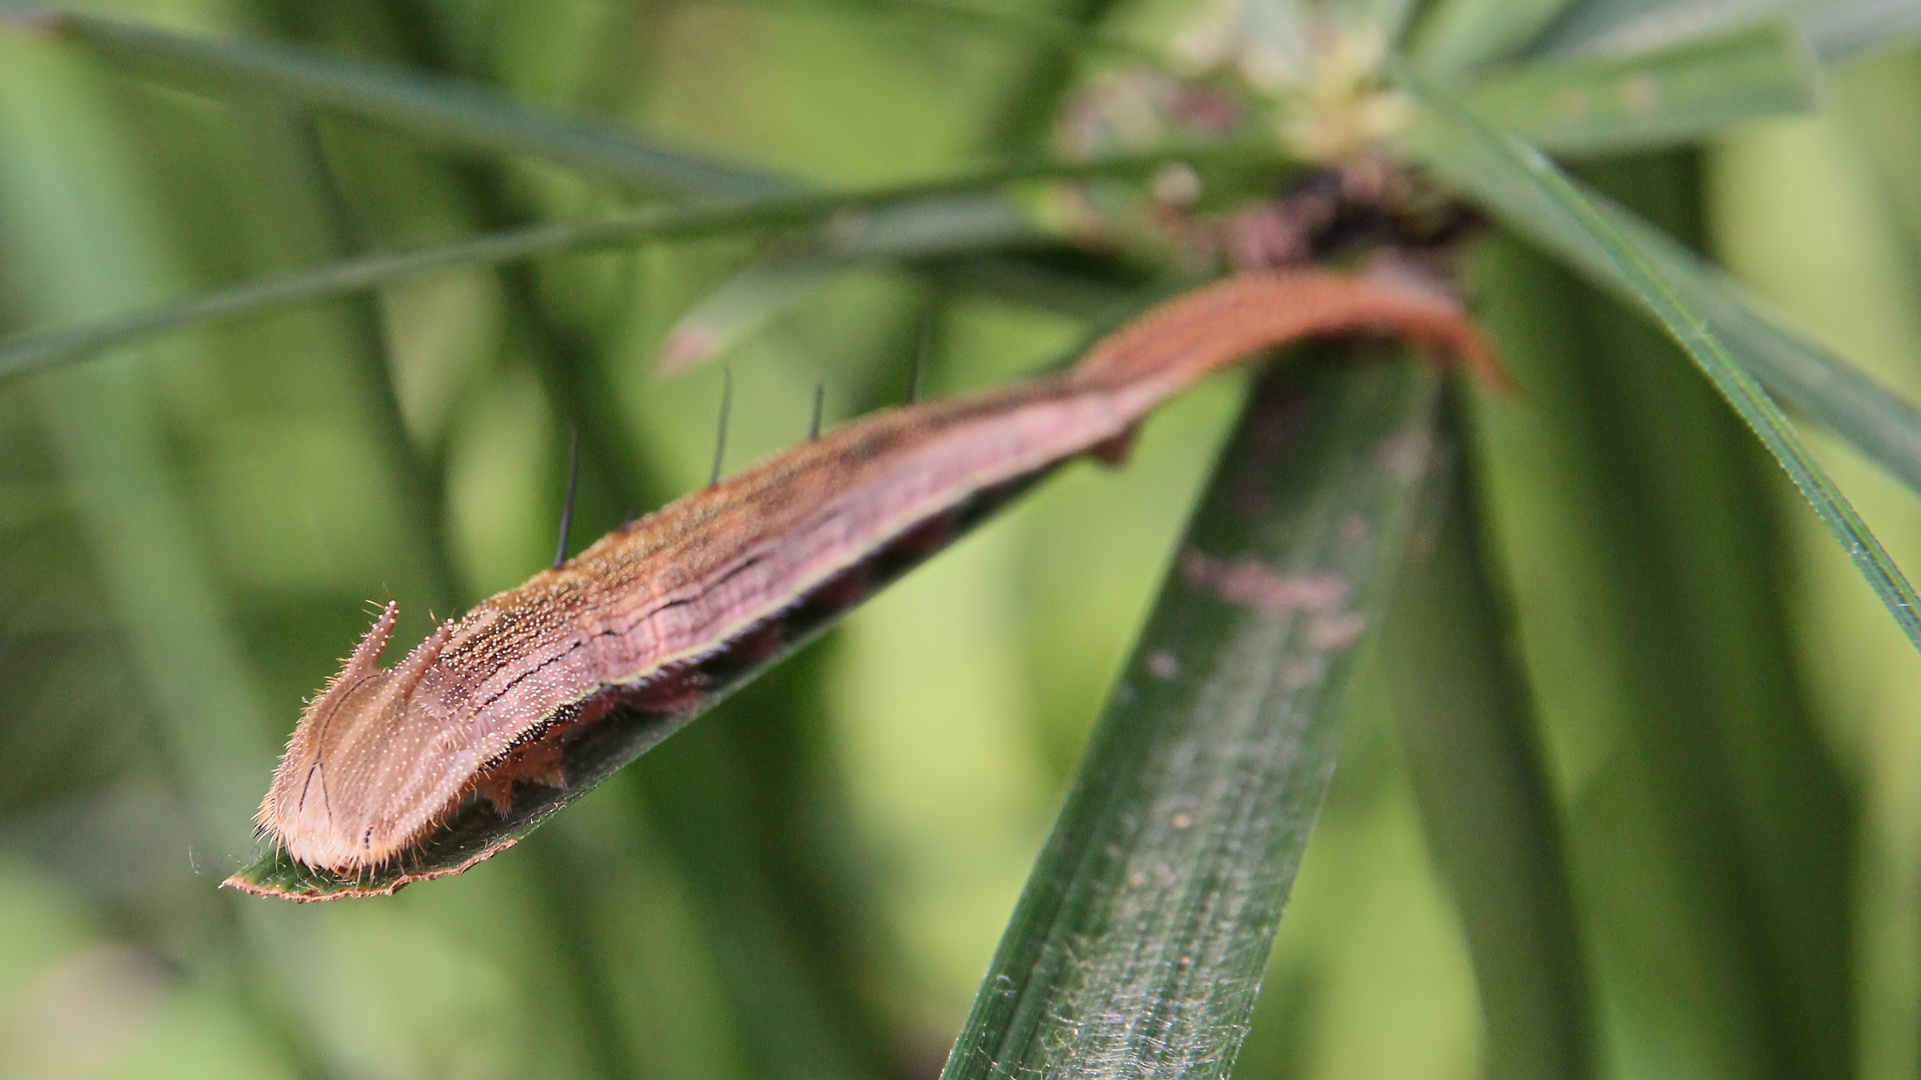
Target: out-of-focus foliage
[{"x": 810, "y": 881}]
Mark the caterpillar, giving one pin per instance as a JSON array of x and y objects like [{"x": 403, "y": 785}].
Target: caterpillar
[{"x": 661, "y": 614}]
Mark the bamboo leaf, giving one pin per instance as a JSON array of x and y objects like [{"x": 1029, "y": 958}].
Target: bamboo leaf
[
  {"x": 1138, "y": 945},
  {"x": 1518, "y": 184},
  {"x": 1681, "y": 93},
  {"x": 466, "y": 115}
]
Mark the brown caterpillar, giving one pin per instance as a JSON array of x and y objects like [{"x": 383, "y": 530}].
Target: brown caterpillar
[{"x": 678, "y": 605}]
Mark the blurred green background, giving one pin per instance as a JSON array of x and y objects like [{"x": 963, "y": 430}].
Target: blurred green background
[{"x": 809, "y": 881}]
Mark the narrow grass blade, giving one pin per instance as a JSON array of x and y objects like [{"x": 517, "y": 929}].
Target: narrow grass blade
[
  {"x": 1138, "y": 946},
  {"x": 1520, "y": 185},
  {"x": 1469, "y": 726},
  {"x": 1590, "y": 106},
  {"x": 43, "y": 348},
  {"x": 476, "y": 118},
  {"x": 782, "y": 282},
  {"x": 1807, "y": 378},
  {"x": 469, "y": 116}
]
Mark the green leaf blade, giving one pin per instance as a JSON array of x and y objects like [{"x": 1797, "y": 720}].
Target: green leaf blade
[
  {"x": 1631, "y": 27},
  {"x": 1807, "y": 378},
  {"x": 1469, "y": 726},
  {"x": 1591, "y": 106},
  {"x": 948, "y": 214},
  {"x": 1520, "y": 185},
  {"x": 1139, "y": 943}
]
